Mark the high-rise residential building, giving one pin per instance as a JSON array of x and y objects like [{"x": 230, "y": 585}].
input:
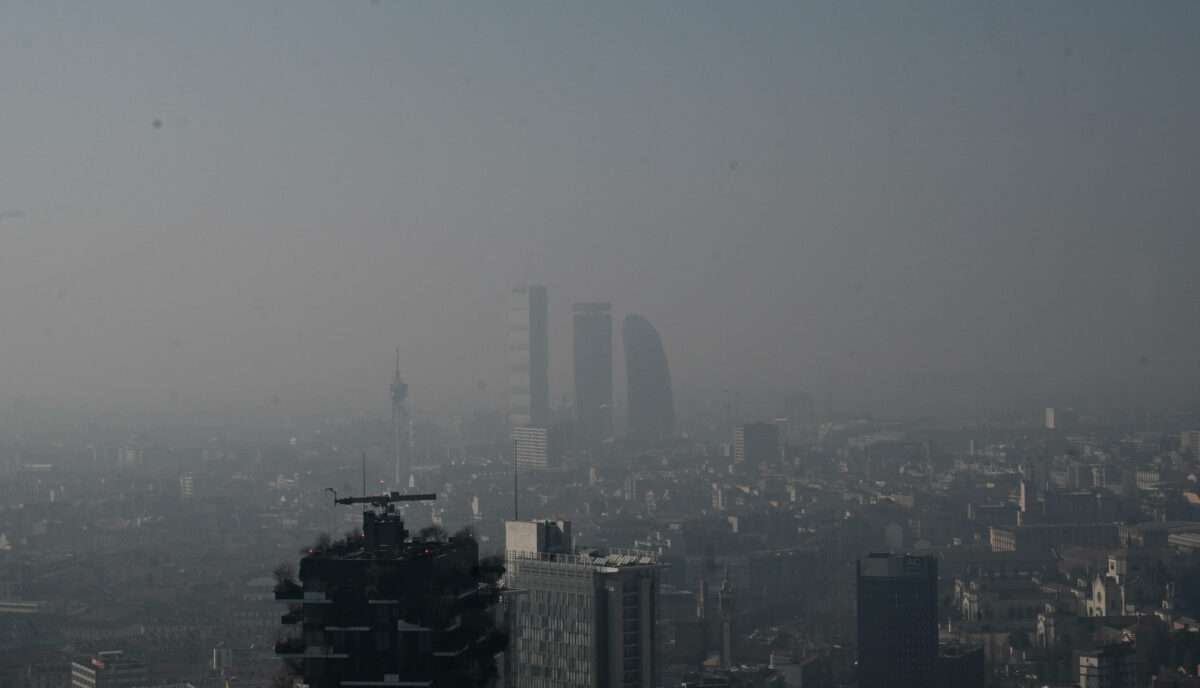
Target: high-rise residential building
[
  {"x": 578, "y": 619},
  {"x": 528, "y": 356},
  {"x": 593, "y": 371},
  {"x": 756, "y": 443},
  {"x": 537, "y": 447},
  {"x": 897, "y": 621},
  {"x": 383, "y": 609},
  {"x": 648, "y": 379},
  {"x": 109, "y": 670}
]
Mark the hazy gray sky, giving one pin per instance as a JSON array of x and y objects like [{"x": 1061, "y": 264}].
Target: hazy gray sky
[{"x": 232, "y": 201}]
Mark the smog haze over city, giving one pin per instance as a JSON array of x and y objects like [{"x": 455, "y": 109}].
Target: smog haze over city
[
  {"x": 599, "y": 345},
  {"x": 224, "y": 205}
]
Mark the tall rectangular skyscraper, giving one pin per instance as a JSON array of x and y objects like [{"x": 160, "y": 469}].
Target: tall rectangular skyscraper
[
  {"x": 528, "y": 356},
  {"x": 897, "y": 621},
  {"x": 593, "y": 371},
  {"x": 578, "y": 620},
  {"x": 537, "y": 446}
]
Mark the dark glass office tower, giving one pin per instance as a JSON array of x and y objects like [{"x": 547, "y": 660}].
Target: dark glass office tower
[
  {"x": 593, "y": 371},
  {"x": 897, "y": 621},
  {"x": 651, "y": 403}
]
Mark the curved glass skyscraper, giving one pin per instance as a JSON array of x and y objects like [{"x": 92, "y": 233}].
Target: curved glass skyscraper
[{"x": 651, "y": 403}]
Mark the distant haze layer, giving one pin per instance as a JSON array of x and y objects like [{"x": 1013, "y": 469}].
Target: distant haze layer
[{"x": 252, "y": 204}]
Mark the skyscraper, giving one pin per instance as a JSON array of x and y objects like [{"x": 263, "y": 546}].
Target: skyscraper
[
  {"x": 593, "y": 371},
  {"x": 528, "y": 356},
  {"x": 537, "y": 447},
  {"x": 897, "y": 621},
  {"x": 578, "y": 620},
  {"x": 651, "y": 403}
]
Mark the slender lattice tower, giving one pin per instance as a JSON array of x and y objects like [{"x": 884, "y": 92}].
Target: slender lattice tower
[{"x": 400, "y": 432}]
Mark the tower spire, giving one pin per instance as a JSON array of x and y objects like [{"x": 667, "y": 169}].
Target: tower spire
[{"x": 399, "y": 392}]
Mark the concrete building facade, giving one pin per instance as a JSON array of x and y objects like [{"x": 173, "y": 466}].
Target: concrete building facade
[{"x": 578, "y": 620}]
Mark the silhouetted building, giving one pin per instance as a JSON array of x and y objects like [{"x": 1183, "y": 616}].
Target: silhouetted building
[
  {"x": 727, "y": 613},
  {"x": 648, "y": 379},
  {"x": 579, "y": 620},
  {"x": 756, "y": 443},
  {"x": 382, "y": 609},
  {"x": 528, "y": 356},
  {"x": 897, "y": 621},
  {"x": 959, "y": 667},
  {"x": 593, "y": 371}
]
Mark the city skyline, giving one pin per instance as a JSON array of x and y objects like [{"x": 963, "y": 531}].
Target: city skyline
[
  {"x": 412, "y": 344},
  {"x": 917, "y": 203}
]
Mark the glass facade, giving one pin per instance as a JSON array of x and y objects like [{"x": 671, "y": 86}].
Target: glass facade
[
  {"x": 528, "y": 356},
  {"x": 580, "y": 623},
  {"x": 593, "y": 371},
  {"x": 897, "y": 621},
  {"x": 651, "y": 402}
]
